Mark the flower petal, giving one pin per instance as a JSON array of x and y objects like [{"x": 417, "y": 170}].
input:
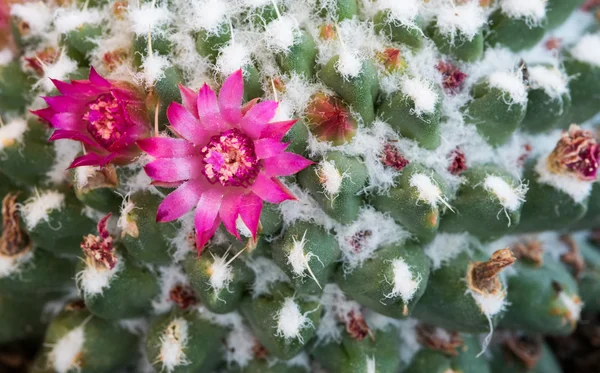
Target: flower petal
[
  {"x": 267, "y": 148},
  {"x": 208, "y": 110},
  {"x": 179, "y": 202},
  {"x": 270, "y": 189},
  {"x": 277, "y": 130},
  {"x": 285, "y": 164},
  {"x": 188, "y": 98},
  {"x": 257, "y": 118},
  {"x": 185, "y": 124},
  {"x": 230, "y": 98},
  {"x": 45, "y": 114},
  {"x": 203, "y": 237},
  {"x": 175, "y": 169},
  {"x": 250, "y": 208},
  {"x": 62, "y": 103},
  {"x": 167, "y": 147},
  {"x": 229, "y": 212},
  {"x": 72, "y": 135},
  {"x": 67, "y": 121},
  {"x": 97, "y": 80},
  {"x": 93, "y": 159},
  {"x": 207, "y": 209}
]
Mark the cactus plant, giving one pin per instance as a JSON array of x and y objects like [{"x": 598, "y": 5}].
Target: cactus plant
[{"x": 298, "y": 185}]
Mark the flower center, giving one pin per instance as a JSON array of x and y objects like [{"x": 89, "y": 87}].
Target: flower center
[
  {"x": 230, "y": 159},
  {"x": 106, "y": 118}
]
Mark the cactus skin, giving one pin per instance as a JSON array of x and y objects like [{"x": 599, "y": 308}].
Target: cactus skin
[{"x": 348, "y": 209}]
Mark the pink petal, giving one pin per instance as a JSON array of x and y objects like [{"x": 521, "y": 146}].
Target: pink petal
[
  {"x": 179, "y": 202},
  {"x": 207, "y": 209},
  {"x": 45, "y": 114},
  {"x": 185, "y": 124},
  {"x": 67, "y": 121},
  {"x": 203, "y": 237},
  {"x": 188, "y": 98},
  {"x": 257, "y": 118},
  {"x": 249, "y": 105},
  {"x": 250, "y": 208},
  {"x": 267, "y": 148},
  {"x": 97, "y": 80},
  {"x": 93, "y": 159},
  {"x": 167, "y": 147},
  {"x": 65, "y": 88},
  {"x": 229, "y": 212},
  {"x": 277, "y": 130},
  {"x": 72, "y": 135},
  {"x": 270, "y": 189},
  {"x": 208, "y": 110},
  {"x": 175, "y": 169},
  {"x": 285, "y": 164},
  {"x": 62, "y": 103},
  {"x": 230, "y": 97}
]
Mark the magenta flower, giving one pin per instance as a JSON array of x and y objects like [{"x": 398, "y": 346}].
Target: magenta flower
[
  {"x": 106, "y": 116},
  {"x": 226, "y": 162}
]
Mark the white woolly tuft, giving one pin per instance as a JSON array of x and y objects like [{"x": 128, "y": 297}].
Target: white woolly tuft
[
  {"x": 405, "y": 282},
  {"x": 446, "y": 247},
  {"x": 357, "y": 245},
  {"x": 291, "y": 321},
  {"x": 220, "y": 273},
  {"x": 170, "y": 276},
  {"x": 511, "y": 83},
  {"x": 301, "y": 361},
  {"x": 6, "y": 56},
  {"x": 429, "y": 192},
  {"x": 534, "y": 11},
  {"x": 38, "y": 207},
  {"x": 12, "y": 132},
  {"x": 587, "y": 49},
  {"x": 207, "y": 15},
  {"x": 304, "y": 208},
  {"x": 153, "y": 69},
  {"x": 173, "y": 343},
  {"x": 573, "y": 305},
  {"x": 298, "y": 258},
  {"x": 93, "y": 280},
  {"x": 37, "y": 15},
  {"x": 64, "y": 354},
  {"x": 336, "y": 307},
  {"x": 349, "y": 64},
  {"x": 408, "y": 334},
  {"x": 240, "y": 345},
  {"x": 404, "y": 11},
  {"x": 60, "y": 70},
  {"x": 330, "y": 177},
  {"x": 65, "y": 152},
  {"x": 577, "y": 189},
  {"x": 10, "y": 265},
  {"x": 281, "y": 34},
  {"x": 267, "y": 273},
  {"x": 550, "y": 79},
  {"x": 83, "y": 174},
  {"x": 422, "y": 94},
  {"x": 490, "y": 305},
  {"x": 232, "y": 57},
  {"x": 66, "y": 20},
  {"x": 149, "y": 18},
  {"x": 511, "y": 198},
  {"x": 462, "y": 20}
]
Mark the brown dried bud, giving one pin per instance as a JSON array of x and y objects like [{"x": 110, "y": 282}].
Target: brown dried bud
[
  {"x": 182, "y": 296},
  {"x": 99, "y": 249},
  {"x": 105, "y": 177},
  {"x": 528, "y": 350},
  {"x": 439, "y": 339},
  {"x": 576, "y": 153},
  {"x": 14, "y": 240},
  {"x": 573, "y": 257},
  {"x": 392, "y": 157},
  {"x": 483, "y": 276},
  {"x": 531, "y": 250},
  {"x": 357, "y": 327},
  {"x": 259, "y": 351}
]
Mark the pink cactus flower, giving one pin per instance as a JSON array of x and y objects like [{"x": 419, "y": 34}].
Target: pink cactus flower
[
  {"x": 226, "y": 161},
  {"x": 106, "y": 116}
]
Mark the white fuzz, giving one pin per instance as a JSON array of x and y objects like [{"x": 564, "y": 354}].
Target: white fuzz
[
  {"x": 371, "y": 364},
  {"x": 281, "y": 33},
  {"x": 64, "y": 354},
  {"x": 550, "y": 79},
  {"x": 408, "y": 334},
  {"x": 577, "y": 189},
  {"x": 126, "y": 207},
  {"x": 208, "y": 15},
  {"x": 83, "y": 174},
  {"x": 10, "y": 265},
  {"x": 587, "y": 49},
  {"x": 93, "y": 280},
  {"x": 6, "y": 56},
  {"x": 405, "y": 282},
  {"x": 510, "y": 198},
  {"x": 336, "y": 307},
  {"x": 573, "y": 305},
  {"x": 533, "y": 11},
  {"x": 37, "y": 15},
  {"x": 240, "y": 345},
  {"x": 290, "y": 320},
  {"x": 66, "y": 150},
  {"x": 38, "y": 208},
  {"x": 220, "y": 273},
  {"x": 242, "y": 228},
  {"x": 490, "y": 305},
  {"x": 330, "y": 177},
  {"x": 59, "y": 71},
  {"x": 300, "y": 361},
  {"x": 462, "y": 20},
  {"x": 232, "y": 57},
  {"x": 349, "y": 64},
  {"x": 446, "y": 247},
  {"x": 404, "y": 11},
  {"x": 267, "y": 273},
  {"x": 422, "y": 94},
  {"x": 66, "y": 20},
  {"x": 304, "y": 208},
  {"x": 138, "y": 326},
  {"x": 173, "y": 343},
  {"x": 12, "y": 132},
  {"x": 153, "y": 69},
  {"x": 511, "y": 83},
  {"x": 148, "y": 18},
  {"x": 170, "y": 276},
  {"x": 429, "y": 192}
]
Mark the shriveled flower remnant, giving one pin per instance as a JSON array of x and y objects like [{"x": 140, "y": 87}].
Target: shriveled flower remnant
[
  {"x": 225, "y": 162},
  {"x": 106, "y": 116},
  {"x": 577, "y": 153},
  {"x": 99, "y": 249}
]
